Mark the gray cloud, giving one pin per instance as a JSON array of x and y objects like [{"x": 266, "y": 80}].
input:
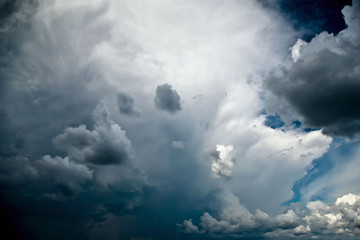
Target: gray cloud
[
  {"x": 106, "y": 144},
  {"x": 66, "y": 175},
  {"x": 323, "y": 84},
  {"x": 126, "y": 105},
  {"x": 58, "y": 177},
  {"x": 167, "y": 99}
]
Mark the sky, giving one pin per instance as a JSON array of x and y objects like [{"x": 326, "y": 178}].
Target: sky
[{"x": 181, "y": 119}]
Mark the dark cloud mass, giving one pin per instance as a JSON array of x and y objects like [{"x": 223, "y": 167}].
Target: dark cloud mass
[
  {"x": 167, "y": 99},
  {"x": 323, "y": 85}
]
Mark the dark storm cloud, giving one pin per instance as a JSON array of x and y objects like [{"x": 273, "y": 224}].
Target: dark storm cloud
[
  {"x": 106, "y": 144},
  {"x": 325, "y": 91},
  {"x": 323, "y": 85},
  {"x": 167, "y": 99},
  {"x": 126, "y": 105}
]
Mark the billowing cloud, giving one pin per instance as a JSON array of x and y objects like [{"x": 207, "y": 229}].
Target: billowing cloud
[
  {"x": 126, "y": 105},
  {"x": 167, "y": 99},
  {"x": 341, "y": 218},
  {"x": 322, "y": 85},
  {"x": 106, "y": 144}
]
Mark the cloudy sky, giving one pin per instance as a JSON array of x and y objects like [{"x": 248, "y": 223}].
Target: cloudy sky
[{"x": 181, "y": 119}]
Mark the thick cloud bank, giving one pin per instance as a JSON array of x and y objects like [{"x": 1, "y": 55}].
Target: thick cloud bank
[{"x": 322, "y": 85}]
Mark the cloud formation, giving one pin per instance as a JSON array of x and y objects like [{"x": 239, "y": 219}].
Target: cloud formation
[
  {"x": 322, "y": 85},
  {"x": 66, "y": 175},
  {"x": 167, "y": 99},
  {"x": 341, "y": 218},
  {"x": 106, "y": 144},
  {"x": 102, "y": 172}
]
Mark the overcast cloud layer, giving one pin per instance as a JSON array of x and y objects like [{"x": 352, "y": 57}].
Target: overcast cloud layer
[{"x": 176, "y": 120}]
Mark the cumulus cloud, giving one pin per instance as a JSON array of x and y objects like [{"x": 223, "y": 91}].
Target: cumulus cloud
[
  {"x": 341, "y": 218},
  {"x": 66, "y": 175},
  {"x": 234, "y": 217},
  {"x": 322, "y": 85},
  {"x": 106, "y": 144},
  {"x": 126, "y": 105},
  {"x": 167, "y": 99}
]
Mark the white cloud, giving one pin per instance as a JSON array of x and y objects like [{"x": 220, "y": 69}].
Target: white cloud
[
  {"x": 342, "y": 218},
  {"x": 223, "y": 166},
  {"x": 350, "y": 199},
  {"x": 295, "y": 49}
]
